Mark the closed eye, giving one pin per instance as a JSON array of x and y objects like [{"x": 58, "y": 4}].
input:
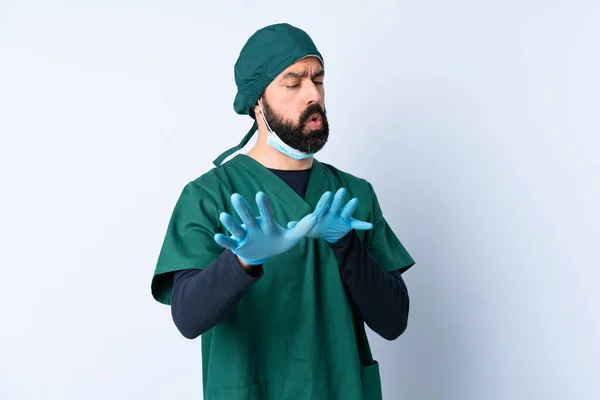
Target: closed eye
[{"x": 296, "y": 85}]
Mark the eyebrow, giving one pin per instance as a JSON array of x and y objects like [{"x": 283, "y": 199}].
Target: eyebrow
[{"x": 302, "y": 74}]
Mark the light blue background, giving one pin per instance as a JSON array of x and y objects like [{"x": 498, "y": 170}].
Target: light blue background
[{"x": 476, "y": 122}]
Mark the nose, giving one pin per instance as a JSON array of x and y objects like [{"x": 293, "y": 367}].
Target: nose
[{"x": 312, "y": 93}]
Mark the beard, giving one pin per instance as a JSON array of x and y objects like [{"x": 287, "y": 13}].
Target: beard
[{"x": 299, "y": 136}]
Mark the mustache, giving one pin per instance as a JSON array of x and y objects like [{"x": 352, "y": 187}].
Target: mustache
[{"x": 310, "y": 110}]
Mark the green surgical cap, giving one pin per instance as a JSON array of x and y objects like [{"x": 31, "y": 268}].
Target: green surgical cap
[{"x": 265, "y": 55}]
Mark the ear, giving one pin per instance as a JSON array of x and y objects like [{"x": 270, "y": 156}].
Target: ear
[{"x": 256, "y": 110}]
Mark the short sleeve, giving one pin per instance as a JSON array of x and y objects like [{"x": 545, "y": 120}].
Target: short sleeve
[
  {"x": 383, "y": 244},
  {"x": 189, "y": 240}
]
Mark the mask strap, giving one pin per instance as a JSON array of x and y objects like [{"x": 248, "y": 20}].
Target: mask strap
[
  {"x": 262, "y": 114},
  {"x": 217, "y": 162}
]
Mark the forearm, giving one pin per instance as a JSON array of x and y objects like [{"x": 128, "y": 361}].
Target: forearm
[
  {"x": 380, "y": 297},
  {"x": 202, "y": 298}
]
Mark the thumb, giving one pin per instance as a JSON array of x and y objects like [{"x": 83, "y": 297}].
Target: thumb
[
  {"x": 292, "y": 224},
  {"x": 224, "y": 241},
  {"x": 302, "y": 228},
  {"x": 361, "y": 225}
]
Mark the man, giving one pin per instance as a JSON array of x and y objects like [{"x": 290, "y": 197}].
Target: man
[{"x": 282, "y": 308}]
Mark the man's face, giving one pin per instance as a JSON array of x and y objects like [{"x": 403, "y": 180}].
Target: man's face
[{"x": 294, "y": 106}]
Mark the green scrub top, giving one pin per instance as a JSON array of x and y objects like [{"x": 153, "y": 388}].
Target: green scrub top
[{"x": 293, "y": 335}]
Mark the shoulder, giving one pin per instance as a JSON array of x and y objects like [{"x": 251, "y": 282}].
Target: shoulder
[
  {"x": 207, "y": 180},
  {"x": 212, "y": 184}
]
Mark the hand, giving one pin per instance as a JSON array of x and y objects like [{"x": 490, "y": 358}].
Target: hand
[
  {"x": 333, "y": 222},
  {"x": 260, "y": 238}
]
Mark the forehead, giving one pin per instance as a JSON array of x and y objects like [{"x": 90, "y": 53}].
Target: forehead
[{"x": 310, "y": 63}]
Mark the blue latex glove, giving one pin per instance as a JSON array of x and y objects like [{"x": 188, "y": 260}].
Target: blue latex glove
[
  {"x": 333, "y": 221},
  {"x": 260, "y": 238}
]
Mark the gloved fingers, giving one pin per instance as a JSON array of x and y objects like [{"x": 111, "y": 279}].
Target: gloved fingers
[
  {"x": 292, "y": 224},
  {"x": 257, "y": 219},
  {"x": 360, "y": 225},
  {"x": 338, "y": 200},
  {"x": 323, "y": 204},
  {"x": 349, "y": 208},
  {"x": 265, "y": 209},
  {"x": 243, "y": 209},
  {"x": 302, "y": 228},
  {"x": 232, "y": 226},
  {"x": 224, "y": 241}
]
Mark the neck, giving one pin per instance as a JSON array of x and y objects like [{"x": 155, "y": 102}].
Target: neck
[{"x": 271, "y": 158}]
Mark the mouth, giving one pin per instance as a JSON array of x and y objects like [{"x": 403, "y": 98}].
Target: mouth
[{"x": 315, "y": 121}]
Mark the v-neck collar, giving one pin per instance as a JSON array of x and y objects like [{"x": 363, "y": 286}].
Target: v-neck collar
[{"x": 278, "y": 187}]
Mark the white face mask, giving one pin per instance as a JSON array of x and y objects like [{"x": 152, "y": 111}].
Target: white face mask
[{"x": 275, "y": 141}]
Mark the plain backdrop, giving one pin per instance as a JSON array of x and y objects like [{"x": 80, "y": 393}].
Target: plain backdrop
[{"x": 476, "y": 122}]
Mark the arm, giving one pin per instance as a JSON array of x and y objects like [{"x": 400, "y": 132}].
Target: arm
[
  {"x": 201, "y": 298},
  {"x": 380, "y": 297}
]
